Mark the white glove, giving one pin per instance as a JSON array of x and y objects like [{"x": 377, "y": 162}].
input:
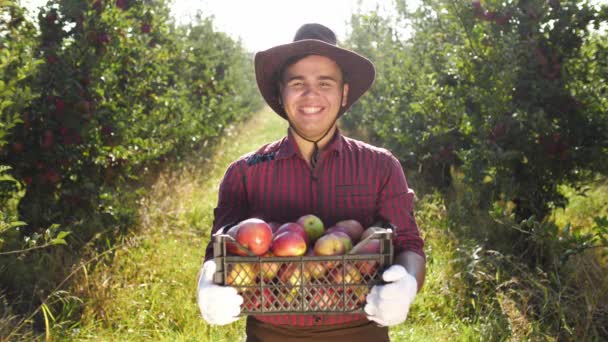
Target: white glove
[
  {"x": 219, "y": 304},
  {"x": 389, "y": 304}
]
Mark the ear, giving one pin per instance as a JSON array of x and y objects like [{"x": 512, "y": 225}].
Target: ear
[
  {"x": 280, "y": 93},
  {"x": 344, "y": 94}
]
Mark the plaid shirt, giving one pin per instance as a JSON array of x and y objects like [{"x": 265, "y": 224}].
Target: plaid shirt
[{"x": 352, "y": 180}]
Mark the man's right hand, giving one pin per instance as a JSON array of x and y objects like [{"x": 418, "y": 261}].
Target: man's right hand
[{"x": 219, "y": 305}]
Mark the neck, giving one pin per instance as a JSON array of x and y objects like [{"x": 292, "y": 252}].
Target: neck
[{"x": 306, "y": 147}]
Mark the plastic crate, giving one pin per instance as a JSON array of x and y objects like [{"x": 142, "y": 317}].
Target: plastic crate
[{"x": 304, "y": 284}]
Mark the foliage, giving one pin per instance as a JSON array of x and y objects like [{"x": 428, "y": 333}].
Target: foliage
[
  {"x": 510, "y": 93},
  {"x": 95, "y": 97}
]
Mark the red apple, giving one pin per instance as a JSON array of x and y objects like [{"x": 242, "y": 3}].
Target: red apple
[
  {"x": 354, "y": 229},
  {"x": 255, "y": 235},
  {"x": 252, "y": 300},
  {"x": 324, "y": 298},
  {"x": 288, "y": 244},
  {"x": 367, "y": 267},
  {"x": 293, "y": 227},
  {"x": 312, "y": 225},
  {"x": 232, "y": 247}
]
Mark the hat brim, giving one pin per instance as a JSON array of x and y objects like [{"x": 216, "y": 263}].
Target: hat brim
[{"x": 360, "y": 71}]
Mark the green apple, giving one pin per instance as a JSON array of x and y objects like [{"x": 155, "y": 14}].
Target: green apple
[{"x": 312, "y": 225}]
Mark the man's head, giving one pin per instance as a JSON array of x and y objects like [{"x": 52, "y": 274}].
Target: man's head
[
  {"x": 357, "y": 72},
  {"x": 312, "y": 93}
]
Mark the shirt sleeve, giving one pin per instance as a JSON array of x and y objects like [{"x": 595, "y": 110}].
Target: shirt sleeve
[
  {"x": 396, "y": 206},
  {"x": 232, "y": 206}
]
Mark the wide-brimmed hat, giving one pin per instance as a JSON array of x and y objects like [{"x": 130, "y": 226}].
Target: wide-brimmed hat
[{"x": 312, "y": 39}]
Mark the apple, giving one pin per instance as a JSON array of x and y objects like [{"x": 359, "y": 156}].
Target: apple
[
  {"x": 288, "y": 244},
  {"x": 324, "y": 298},
  {"x": 316, "y": 269},
  {"x": 255, "y": 235},
  {"x": 347, "y": 274},
  {"x": 232, "y": 247},
  {"x": 312, "y": 225},
  {"x": 288, "y": 298},
  {"x": 269, "y": 269},
  {"x": 293, "y": 227},
  {"x": 354, "y": 229},
  {"x": 356, "y": 295},
  {"x": 241, "y": 274},
  {"x": 346, "y": 241},
  {"x": 252, "y": 300},
  {"x": 367, "y": 267},
  {"x": 291, "y": 274},
  {"x": 329, "y": 244}
]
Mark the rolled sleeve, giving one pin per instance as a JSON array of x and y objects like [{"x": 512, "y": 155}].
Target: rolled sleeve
[
  {"x": 396, "y": 206},
  {"x": 232, "y": 203}
]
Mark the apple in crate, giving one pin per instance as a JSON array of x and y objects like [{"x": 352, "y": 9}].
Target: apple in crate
[
  {"x": 269, "y": 269},
  {"x": 241, "y": 274},
  {"x": 353, "y": 228},
  {"x": 294, "y": 228},
  {"x": 347, "y": 274},
  {"x": 288, "y": 244},
  {"x": 291, "y": 275},
  {"x": 367, "y": 267},
  {"x": 255, "y": 235},
  {"x": 316, "y": 269},
  {"x": 312, "y": 225}
]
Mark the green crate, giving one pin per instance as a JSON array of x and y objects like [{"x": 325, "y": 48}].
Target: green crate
[{"x": 304, "y": 284}]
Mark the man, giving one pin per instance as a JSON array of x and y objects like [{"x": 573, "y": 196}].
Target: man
[{"x": 315, "y": 169}]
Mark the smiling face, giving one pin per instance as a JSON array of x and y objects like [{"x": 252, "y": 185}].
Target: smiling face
[{"x": 312, "y": 93}]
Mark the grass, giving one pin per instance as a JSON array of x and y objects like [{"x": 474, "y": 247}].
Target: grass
[{"x": 146, "y": 290}]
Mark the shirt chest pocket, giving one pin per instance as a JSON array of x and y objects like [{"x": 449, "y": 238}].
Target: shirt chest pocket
[{"x": 355, "y": 196}]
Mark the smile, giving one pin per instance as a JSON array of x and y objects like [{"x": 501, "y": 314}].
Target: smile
[{"x": 311, "y": 110}]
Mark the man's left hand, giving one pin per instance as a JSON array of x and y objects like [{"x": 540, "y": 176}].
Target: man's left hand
[{"x": 389, "y": 304}]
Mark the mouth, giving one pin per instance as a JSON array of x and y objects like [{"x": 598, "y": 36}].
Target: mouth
[{"x": 311, "y": 110}]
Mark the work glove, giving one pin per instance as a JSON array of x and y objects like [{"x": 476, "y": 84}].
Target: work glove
[
  {"x": 219, "y": 304},
  {"x": 389, "y": 304}
]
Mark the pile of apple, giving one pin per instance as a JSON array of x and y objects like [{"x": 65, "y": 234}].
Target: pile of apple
[{"x": 306, "y": 237}]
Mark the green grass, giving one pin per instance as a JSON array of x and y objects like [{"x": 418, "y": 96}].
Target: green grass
[{"x": 146, "y": 292}]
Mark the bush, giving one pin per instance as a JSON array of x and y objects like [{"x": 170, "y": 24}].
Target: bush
[
  {"x": 510, "y": 93},
  {"x": 93, "y": 105}
]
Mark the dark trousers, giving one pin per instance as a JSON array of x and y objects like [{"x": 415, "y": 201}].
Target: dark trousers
[{"x": 359, "y": 331}]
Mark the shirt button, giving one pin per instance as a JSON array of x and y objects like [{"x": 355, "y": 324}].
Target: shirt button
[{"x": 317, "y": 318}]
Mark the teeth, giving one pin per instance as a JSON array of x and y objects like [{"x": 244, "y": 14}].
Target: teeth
[{"x": 311, "y": 110}]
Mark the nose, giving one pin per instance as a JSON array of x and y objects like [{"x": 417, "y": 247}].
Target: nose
[{"x": 310, "y": 90}]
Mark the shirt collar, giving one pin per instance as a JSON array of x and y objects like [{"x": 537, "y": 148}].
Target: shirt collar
[{"x": 289, "y": 148}]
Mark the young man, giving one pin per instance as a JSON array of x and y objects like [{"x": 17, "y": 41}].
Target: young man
[{"x": 315, "y": 169}]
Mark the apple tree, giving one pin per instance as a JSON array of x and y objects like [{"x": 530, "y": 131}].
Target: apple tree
[{"x": 512, "y": 94}]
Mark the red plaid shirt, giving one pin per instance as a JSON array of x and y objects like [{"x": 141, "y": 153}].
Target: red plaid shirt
[{"x": 352, "y": 180}]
